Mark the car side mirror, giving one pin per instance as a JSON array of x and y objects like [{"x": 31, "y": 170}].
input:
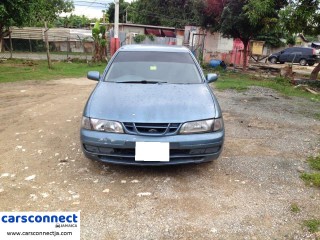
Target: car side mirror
[
  {"x": 93, "y": 75},
  {"x": 211, "y": 77}
]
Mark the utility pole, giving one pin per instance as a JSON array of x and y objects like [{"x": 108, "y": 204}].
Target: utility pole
[
  {"x": 103, "y": 16},
  {"x": 115, "y": 42},
  {"x": 116, "y": 19}
]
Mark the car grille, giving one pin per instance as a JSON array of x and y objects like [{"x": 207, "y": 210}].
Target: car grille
[{"x": 151, "y": 128}]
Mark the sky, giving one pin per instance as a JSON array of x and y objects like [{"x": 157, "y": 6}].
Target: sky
[{"x": 91, "y": 8}]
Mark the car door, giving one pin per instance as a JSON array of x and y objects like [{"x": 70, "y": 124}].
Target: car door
[
  {"x": 285, "y": 55},
  {"x": 295, "y": 55}
]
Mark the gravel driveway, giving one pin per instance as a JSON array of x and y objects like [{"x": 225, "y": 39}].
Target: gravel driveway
[{"x": 246, "y": 194}]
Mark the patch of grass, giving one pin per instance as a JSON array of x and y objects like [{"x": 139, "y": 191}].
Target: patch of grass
[
  {"x": 294, "y": 208},
  {"x": 241, "y": 81},
  {"x": 317, "y": 116},
  {"x": 314, "y": 162},
  {"x": 311, "y": 178},
  {"x": 236, "y": 81},
  {"x": 18, "y": 70},
  {"x": 313, "y": 225}
]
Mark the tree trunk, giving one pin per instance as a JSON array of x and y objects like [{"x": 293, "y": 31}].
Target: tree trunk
[
  {"x": 47, "y": 45},
  {"x": 245, "y": 54},
  {"x": 11, "y": 48},
  {"x": 1, "y": 39},
  {"x": 314, "y": 73},
  {"x": 3, "y": 34}
]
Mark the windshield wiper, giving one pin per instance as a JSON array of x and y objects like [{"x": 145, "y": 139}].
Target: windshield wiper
[{"x": 143, "y": 82}]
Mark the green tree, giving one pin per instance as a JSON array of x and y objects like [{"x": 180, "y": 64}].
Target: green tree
[
  {"x": 145, "y": 12},
  {"x": 13, "y": 13},
  {"x": 266, "y": 14},
  {"x": 48, "y": 11},
  {"x": 234, "y": 23},
  {"x": 246, "y": 20},
  {"x": 20, "y": 13},
  {"x": 100, "y": 42},
  {"x": 72, "y": 21},
  {"x": 171, "y": 13},
  {"x": 302, "y": 17},
  {"x": 122, "y": 11}
]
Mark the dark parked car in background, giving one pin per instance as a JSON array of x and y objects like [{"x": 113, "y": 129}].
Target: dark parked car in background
[
  {"x": 301, "y": 55},
  {"x": 152, "y": 106}
]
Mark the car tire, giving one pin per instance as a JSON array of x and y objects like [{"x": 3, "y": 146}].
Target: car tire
[
  {"x": 273, "y": 60},
  {"x": 311, "y": 63},
  {"x": 303, "y": 62},
  {"x": 281, "y": 62}
]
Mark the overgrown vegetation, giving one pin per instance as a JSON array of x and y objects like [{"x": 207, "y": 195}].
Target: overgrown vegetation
[
  {"x": 19, "y": 70},
  {"x": 294, "y": 208},
  {"x": 313, "y": 179},
  {"x": 100, "y": 42},
  {"x": 314, "y": 162},
  {"x": 317, "y": 116},
  {"x": 151, "y": 37},
  {"x": 313, "y": 225},
  {"x": 241, "y": 82},
  {"x": 139, "y": 38}
]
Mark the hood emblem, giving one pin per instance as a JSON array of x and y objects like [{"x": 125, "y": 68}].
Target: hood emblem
[{"x": 152, "y": 130}]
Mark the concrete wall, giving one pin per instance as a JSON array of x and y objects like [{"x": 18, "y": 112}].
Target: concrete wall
[
  {"x": 131, "y": 29},
  {"x": 216, "y": 47}
]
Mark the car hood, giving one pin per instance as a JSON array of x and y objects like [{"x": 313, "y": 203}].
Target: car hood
[{"x": 158, "y": 103}]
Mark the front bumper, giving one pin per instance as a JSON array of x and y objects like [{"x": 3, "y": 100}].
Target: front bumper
[{"x": 120, "y": 148}]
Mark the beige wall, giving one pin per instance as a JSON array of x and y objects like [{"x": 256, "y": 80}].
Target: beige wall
[
  {"x": 215, "y": 45},
  {"x": 130, "y": 29}
]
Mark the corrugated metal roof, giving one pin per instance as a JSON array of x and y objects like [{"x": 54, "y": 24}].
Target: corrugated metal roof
[
  {"x": 54, "y": 34},
  {"x": 27, "y": 33}
]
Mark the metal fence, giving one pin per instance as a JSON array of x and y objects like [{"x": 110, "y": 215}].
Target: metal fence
[
  {"x": 61, "y": 48},
  {"x": 64, "y": 47}
]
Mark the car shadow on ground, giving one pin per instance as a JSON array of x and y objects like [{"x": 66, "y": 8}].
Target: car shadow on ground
[{"x": 154, "y": 171}]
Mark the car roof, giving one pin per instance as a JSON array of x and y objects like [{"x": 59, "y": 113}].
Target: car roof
[
  {"x": 153, "y": 48},
  {"x": 299, "y": 48}
]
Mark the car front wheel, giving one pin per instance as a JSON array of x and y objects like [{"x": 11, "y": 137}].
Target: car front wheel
[
  {"x": 273, "y": 60},
  {"x": 311, "y": 63},
  {"x": 303, "y": 62}
]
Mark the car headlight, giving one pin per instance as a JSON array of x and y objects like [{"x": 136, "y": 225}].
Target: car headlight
[
  {"x": 210, "y": 125},
  {"x": 101, "y": 125}
]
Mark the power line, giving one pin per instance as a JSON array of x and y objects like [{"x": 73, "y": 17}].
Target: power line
[{"x": 90, "y": 3}]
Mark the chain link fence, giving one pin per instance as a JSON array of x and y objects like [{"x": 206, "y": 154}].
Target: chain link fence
[
  {"x": 64, "y": 44},
  {"x": 61, "y": 48}
]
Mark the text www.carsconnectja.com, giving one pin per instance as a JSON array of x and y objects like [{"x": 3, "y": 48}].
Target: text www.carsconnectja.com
[{"x": 52, "y": 233}]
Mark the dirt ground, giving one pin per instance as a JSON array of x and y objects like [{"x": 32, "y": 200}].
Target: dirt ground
[{"x": 245, "y": 194}]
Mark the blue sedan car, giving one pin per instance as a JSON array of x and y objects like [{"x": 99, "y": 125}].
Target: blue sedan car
[{"x": 152, "y": 106}]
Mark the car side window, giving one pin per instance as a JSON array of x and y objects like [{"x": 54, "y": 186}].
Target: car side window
[
  {"x": 296, "y": 53},
  {"x": 307, "y": 51},
  {"x": 286, "y": 51},
  {"x": 291, "y": 50}
]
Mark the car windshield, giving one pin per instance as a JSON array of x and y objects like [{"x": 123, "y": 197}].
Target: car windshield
[{"x": 153, "y": 67}]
